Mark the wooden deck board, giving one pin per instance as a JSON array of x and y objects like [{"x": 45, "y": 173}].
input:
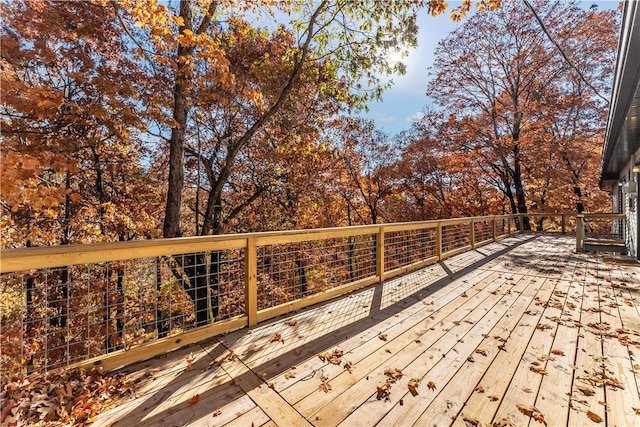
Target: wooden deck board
[{"x": 524, "y": 301}]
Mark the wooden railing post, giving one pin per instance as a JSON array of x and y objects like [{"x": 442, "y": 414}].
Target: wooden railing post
[
  {"x": 380, "y": 255},
  {"x": 439, "y": 241},
  {"x": 580, "y": 233},
  {"x": 509, "y": 226},
  {"x": 472, "y": 234},
  {"x": 251, "y": 288},
  {"x": 564, "y": 224},
  {"x": 493, "y": 228}
]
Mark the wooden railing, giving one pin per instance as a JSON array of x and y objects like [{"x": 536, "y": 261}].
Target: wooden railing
[
  {"x": 111, "y": 304},
  {"x": 600, "y": 232}
]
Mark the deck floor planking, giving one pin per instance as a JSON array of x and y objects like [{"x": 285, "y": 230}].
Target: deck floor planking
[{"x": 522, "y": 302}]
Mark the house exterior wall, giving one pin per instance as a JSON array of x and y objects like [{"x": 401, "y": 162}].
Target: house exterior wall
[{"x": 625, "y": 201}]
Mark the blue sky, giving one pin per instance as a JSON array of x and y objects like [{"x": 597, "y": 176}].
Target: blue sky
[{"x": 407, "y": 97}]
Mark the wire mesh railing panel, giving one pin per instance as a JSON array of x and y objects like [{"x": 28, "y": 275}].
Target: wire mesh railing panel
[
  {"x": 605, "y": 228},
  {"x": 290, "y": 271},
  {"x": 483, "y": 230},
  {"x": 502, "y": 227},
  {"x": 455, "y": 236},
  {"x": 58, "y": 316},
  {"x": 402, "y": 248}
]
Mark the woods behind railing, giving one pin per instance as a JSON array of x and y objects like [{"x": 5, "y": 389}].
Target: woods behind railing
[{"x": 111, "y": 304}]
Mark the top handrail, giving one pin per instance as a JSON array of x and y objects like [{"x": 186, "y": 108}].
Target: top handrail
[{"x": 23, "y": 259}]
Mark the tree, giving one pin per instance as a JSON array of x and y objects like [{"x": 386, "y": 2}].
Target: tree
[{"x": 495, "y": 73}]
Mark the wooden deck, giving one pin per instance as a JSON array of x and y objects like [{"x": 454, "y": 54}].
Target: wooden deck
[{"x": 520, "y": 332}]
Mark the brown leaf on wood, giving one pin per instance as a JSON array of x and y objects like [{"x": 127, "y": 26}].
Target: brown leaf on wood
[
  {"x": 217, "y": 412},
  {"x": 289, "y": 374},
  {"x": 292, "y": 322},
  {"x": 383, "y": 391},
  {"x": 480, "y": 351},
  {"x": 470, "y": 421},
  {"x": 190, "y": 359},
  {"x": 586, "y": 390},
  {"x": 557, "y": 352},
  {"x": 413, "y": 386},
  {"x": 594, "y": 417},
  {"x": 382, "y": 336},
  {"x": 538, "y": 370},
  {"x": 531, "y": 411},
  {"x": 324, "y": 357},
  {"x": 431, "y": 385},
  {"x": 324, "y": 385},
  {"x": 195, "y": 399},
  {"x": 494, "y": 398},
  {"x": 393, "y": 373},
  {"x": 277, "y": 337},
  {"x": 263, "y": 375},
  {"x": 479, "y": 389},
  {"x": 527, "y": 390},
  {"x": 348, "y": 366},
  {"x": 636, "y": 410},
  {"x": 471, "y": 359}
]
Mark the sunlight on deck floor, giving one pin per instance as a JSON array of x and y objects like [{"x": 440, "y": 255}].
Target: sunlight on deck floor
[{"x": 520, "y": 332}]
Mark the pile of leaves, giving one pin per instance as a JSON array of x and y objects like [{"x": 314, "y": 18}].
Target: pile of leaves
[{"x": 71, "y": 396}]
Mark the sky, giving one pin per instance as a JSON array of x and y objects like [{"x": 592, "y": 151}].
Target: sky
[{"x": 407, "y": 97}]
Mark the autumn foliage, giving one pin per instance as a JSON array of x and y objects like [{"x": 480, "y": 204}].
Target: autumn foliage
[{"x": 126, "y": 120}]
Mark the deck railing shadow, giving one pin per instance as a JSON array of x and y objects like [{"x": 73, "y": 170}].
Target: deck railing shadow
[{"x": 361, "y": 311}]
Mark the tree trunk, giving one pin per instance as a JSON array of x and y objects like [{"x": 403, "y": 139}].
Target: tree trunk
[{"x": 172, "y": 224}]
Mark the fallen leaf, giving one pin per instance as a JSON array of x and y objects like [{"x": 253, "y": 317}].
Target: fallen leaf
[
  {"x": 195, "y": 399},
  {"x": 479, "y": 389},
  {"x": 594, "y": 417},
  {"x": 586, "y": 390},
  {"x": 480, "y": 351},
  {"x": 348, "y": 366},
  {"x": 394, "y": 373},
  {"x": 431, "y": 385},
  {"x": 557, "y": 352},
  {"x": 383, "y": 337},
  {"x": 190, "y": 359},
  {"x": 494, "y": 398},
  {"x": 289, "y": 374},
  {"x": 263, "y": 375},
  {"x": 636, "y": 410},
  {"x": 383, "y": 391},
  {"x": 531, "y": 411},
  {"x": 217, "y": 412},
  {"x": 471, "y": 359},
  {"x": 272, "y": 386},
  {"x": 324, "y": 357},
  {"x": 538, "y": 370},
  {"x": 324, "y": 384},
  {"x": 527, "y": 390},
  {"x": 413, "y": 386},
  {"x": 470, "y": 421},
  {"x": 277, "y": 337},
  {"x": 292, "y": 322}
]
